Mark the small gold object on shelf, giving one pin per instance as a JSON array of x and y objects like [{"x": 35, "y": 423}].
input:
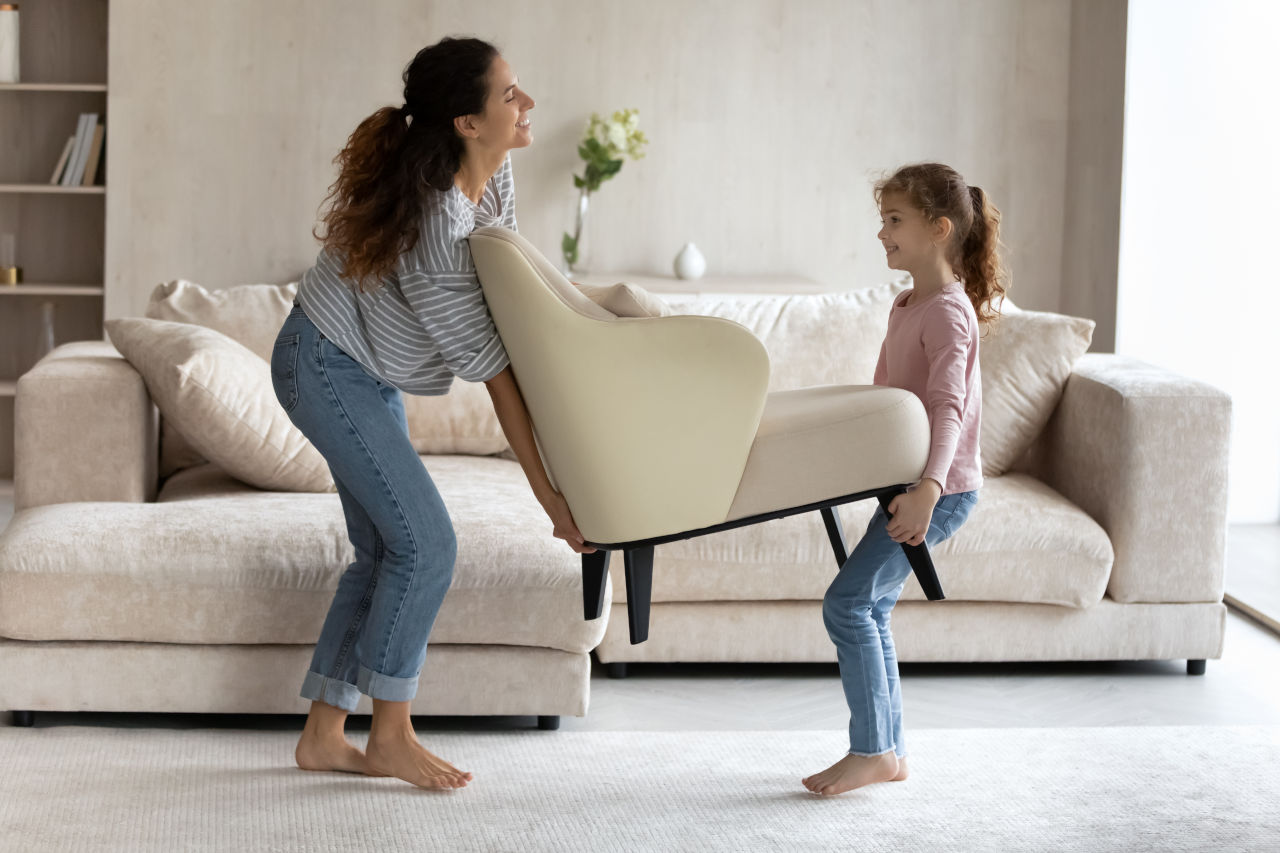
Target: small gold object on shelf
[{"x": 10, "y": 272}]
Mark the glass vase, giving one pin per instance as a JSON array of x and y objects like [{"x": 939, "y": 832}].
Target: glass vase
[{"x": 581, "y": 236}]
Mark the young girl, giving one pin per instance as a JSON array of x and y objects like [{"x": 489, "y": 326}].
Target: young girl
[{"x": 945, "y": 233}]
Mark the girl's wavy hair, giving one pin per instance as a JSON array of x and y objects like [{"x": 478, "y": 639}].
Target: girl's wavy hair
[
  {"x": 937, "y": 191},
  {"x": 395, "y": 157}
]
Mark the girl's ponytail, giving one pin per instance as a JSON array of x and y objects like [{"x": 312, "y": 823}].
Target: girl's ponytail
[{"x": 980, "y": 264}]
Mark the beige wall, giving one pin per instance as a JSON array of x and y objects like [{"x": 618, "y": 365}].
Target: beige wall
[{"x": 769, "y": 120}]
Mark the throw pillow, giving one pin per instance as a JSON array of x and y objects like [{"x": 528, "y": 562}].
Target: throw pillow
[
  {"x": 1026, "y": 358},
  {"x": 625, "y": 300},
  {"x": 250, "y": 314},
  {"x": 219, "y": 395}
]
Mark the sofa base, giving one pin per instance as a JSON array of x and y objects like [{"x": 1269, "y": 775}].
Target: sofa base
[
  {"x": 457, "y": 680},
  {"x": 924, "y": 631}
]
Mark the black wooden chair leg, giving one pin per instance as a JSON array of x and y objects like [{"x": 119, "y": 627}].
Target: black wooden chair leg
[
  {"x": 615, "y": 670},
  {"x": 1195, "y": 666},
  {"x": 639, "y": 572},
  {"x": 24, "y": 718},
  {"x": 918, "y": 557},
  {"x": 835, "y": 532},
  {"x": 548, "y": 723},
  {"x": 595, "y": 570}
]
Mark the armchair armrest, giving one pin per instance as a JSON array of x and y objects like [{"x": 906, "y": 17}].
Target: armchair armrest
[
  {"x": 85, "y": 429},
  {"x": 1143, "y": 451}
]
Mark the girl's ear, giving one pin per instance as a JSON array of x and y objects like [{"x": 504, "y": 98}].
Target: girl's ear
[
  {"x": 466, "y": 126},
  {"x": 942, "y": 229}
]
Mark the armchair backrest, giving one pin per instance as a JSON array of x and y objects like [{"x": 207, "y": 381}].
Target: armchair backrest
[{"x": 644, "y": 424}]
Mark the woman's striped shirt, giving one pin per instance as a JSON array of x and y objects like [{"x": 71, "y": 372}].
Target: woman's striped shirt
[{"x": 428, "y": 321}]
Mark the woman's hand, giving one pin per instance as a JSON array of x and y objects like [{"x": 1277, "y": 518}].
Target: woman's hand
[
  {"x": 912, "y": 512},
  {"x": 565, "y": 528}
]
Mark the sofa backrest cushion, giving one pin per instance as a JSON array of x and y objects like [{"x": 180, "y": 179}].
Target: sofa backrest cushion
[{"x": 219, "y": 395}]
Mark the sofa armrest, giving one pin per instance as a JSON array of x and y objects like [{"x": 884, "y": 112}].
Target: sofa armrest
[
  {"x": 85, "y": 429},
  {"x": 1143, "y": 451}
]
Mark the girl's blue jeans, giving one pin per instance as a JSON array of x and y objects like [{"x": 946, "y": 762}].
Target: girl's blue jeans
[
  {"x": 856, "y": 610},
  {"x": 374, "y": 639}
]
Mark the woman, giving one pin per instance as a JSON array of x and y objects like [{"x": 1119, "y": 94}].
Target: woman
[{"x": 393, "y": 304}]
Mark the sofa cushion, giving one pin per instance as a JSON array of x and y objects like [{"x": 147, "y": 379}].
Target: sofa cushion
[
  {"x": 214, "y": 561},
  {"x": 1025, "y": 359},
  {"x": 826, "y": 339},
  {"x": 1023, "y": 542},
  {"x": 219, "y": 396},
  {"x": 250, "y": 314}
]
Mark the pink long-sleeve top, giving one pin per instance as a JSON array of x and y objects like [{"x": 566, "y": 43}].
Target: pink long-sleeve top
[{"x": 931, "y": 350}]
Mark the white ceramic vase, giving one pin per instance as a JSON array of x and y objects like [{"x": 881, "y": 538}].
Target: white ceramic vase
[{"x": 690, "y": 263}]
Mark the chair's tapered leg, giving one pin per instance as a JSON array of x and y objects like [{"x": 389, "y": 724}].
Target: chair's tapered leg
[
  {"x": 548, "y": 723},
  {"x": 639, "y": 572},
  {"x": 835, "y": 532},
  {"x": 918, "y": 557},
  {"x": 595, "y": 570}
]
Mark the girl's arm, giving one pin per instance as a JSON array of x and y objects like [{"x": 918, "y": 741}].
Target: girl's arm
[
  {"x": 509, "y": 405},
  {"x": 949, "y": 343}
]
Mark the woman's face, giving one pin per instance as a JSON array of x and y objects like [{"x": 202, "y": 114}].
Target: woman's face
[
  {"x": 908, "y": 238},
  {"x": 504, "y": 124}
]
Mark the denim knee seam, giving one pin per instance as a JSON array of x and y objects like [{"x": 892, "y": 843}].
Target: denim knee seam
[{"x": 365, "y": 601}]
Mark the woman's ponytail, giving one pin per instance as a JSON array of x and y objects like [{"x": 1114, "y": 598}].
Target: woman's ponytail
[{"x": 395, "y": 157}]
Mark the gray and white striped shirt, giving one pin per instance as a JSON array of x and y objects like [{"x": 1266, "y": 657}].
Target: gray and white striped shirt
[{"x": 428, "y": 321}]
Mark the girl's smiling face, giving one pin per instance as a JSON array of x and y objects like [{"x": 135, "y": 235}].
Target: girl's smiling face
[{"x": 908, "y": 238}]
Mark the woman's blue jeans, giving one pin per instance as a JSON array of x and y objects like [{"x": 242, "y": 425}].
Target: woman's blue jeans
[
  {"x": 374, "y": 639},
  {"x": 856, "y": 610}
]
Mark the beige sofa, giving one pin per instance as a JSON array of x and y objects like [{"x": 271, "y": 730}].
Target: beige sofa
[{"x": 136, "y": 577}]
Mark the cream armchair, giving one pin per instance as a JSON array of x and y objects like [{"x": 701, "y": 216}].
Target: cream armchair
[{"x": 657, "y": 429}]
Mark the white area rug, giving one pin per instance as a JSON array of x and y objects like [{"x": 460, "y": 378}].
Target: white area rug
[{"x": 1087, "y": 789}]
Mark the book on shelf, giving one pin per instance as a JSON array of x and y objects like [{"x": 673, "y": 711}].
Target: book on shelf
[
  {"x": 74, "y": 173},
  {"x": 62, "y": 161},
  {"x": 95, "y": 153}
]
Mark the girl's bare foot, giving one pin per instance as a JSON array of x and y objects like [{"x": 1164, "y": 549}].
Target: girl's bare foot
[
  {"x": 853, "y": 771},
  {"x": 399, "y": 754},
  {"x": 902, "y": 770},
  {"x": 319, "y": 752}
]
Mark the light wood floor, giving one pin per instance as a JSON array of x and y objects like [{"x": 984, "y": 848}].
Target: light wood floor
[{"x": 1241, "y": 688}]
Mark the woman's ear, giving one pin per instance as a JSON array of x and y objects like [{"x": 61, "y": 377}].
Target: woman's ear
[{"x": 466, "y": 126}]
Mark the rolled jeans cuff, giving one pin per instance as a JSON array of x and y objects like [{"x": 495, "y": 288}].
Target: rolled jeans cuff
[
  {"x": 386, "y": 688},
  {"x": 331, "y": 691}
]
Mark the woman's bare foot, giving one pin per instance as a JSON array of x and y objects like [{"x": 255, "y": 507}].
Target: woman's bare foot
[
  {"x": 323, "y": 746},
  {"x": 853, "y": 771},
  {"x": 317, "y": 752},
  {"x": 399, "y": 754},
  {"x": 902, "y": 770}
]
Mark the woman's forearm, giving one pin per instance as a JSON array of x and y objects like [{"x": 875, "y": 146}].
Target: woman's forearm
[{"x": 513, "y": 416}]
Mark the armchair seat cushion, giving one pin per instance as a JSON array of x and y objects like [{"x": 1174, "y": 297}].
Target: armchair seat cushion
[
  {"x": 216, "y": 561},
  {"x": 828, "y": 441}
]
